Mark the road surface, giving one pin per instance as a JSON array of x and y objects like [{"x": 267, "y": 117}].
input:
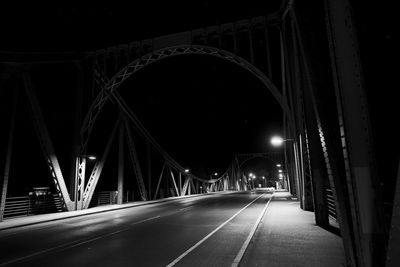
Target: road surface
[{"x": 210, "y": 230}]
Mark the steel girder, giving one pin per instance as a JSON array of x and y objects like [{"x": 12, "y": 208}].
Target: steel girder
[
  {"x": 8, "y": 157},
  {"x": 356, "y": 138},
  {"x": 46, "y": 143},
  {"x": 136, "y": 165}
]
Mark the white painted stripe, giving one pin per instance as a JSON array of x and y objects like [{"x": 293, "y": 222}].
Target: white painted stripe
[
  {"x": 246, "y": 243},
  {"x": 209, "y": 235},
  {"x": 72, "y": 244}
]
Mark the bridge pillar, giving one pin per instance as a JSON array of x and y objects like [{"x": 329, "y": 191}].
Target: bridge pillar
[
  {"x": 120, "y": 165},
  {"x": 317, "y": 165},
  {"x": 361, "y": 175},
  {"x": 8, "y": 157}
]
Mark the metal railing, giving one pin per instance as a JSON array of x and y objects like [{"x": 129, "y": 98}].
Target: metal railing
[
  {"x": 109, "y": 198},
  {"x": 31, "y": 205},
  {"x": 331, "y": 204}
]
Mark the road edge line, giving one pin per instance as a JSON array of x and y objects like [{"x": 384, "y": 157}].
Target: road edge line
[
  {"x": 210, "y": 234},
  {"x": 246, "y": 243}
]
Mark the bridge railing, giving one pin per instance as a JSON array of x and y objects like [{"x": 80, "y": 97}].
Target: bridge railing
[
  {"x": 331, "y": 204},
  {"x": 31, "y": 205}
]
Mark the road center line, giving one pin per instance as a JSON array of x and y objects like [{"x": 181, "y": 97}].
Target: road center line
[
  {"x": 73, "y": 243},
  {"x": 210, "y": 234},
  {"x": 246, "y": 243}
]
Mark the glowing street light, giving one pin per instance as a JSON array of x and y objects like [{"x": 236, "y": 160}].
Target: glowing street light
[
  {"x": 279, "y": 171},
  {"x": 278, "y": 165},
  {"x": 278, "y": 141},
  {"x": 187, "y": 170}
]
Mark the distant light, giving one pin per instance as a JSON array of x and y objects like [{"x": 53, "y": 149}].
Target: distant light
[
  {"x": 280, "y": 175},
  {"x": 263, "y": 177},
  {"x": 92, "y": 157},
  {"x": 278, "y": 165},
  {"x": 251, "y": 175},
  {"x": 277, "y": 141},
  {"x": 279, "y": 170},
  {"x": 216, "y": 173},
  {"x": 187, "y": 170}
]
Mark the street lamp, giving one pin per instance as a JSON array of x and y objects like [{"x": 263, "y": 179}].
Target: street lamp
[
  {"x": 187, "y": 170},
  {"x": 278, "y": 141}
]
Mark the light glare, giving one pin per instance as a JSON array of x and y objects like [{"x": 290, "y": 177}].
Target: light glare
[{"x": 276, "y": 141}]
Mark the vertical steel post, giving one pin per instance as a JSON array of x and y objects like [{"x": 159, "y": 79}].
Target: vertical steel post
[
  {"x": 9, "y": 154},
  {"x": 317, "y": 165},
  {"x": 356, "y": 137},
  {"x": 77, "y": 123},
  {"x": 148, "y": 161},
  {"x": 80, "y": 182},
  {"x": 120, "y": 164},
  {"x": 333, "y": 169},
  {"x": 180, "y": 183}
]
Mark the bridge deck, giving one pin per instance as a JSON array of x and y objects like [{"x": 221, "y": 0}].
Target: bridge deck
[{"x": 203, "y": 231}]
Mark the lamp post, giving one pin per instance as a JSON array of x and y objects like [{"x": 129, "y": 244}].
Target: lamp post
[
  {"x": 278, "y": 141},
  {"x": 80, "y": 179}
]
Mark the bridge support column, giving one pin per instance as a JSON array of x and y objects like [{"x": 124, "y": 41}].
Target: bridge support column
[
  {"x": 80, "y": 181},
  {"x": 120, "y": 165},
  {"x": 8, "y": 157},
  {"x": 317, "y": 165},
  {"x": 148, "y": 165},
  {"x": 361, "y": 176}
]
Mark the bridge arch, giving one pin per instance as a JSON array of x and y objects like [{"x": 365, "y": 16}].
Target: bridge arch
[{"x": 109, "y": 87}]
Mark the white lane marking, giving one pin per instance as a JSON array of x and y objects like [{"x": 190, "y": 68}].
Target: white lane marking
[
  {"x": 73, "y": 244},
  {"x": 246, "y": 243},
  {"x": 209, "y": 235}
]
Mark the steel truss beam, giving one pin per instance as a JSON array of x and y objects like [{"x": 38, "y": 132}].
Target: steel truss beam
[
  {"x": 97, "y": 169},
  {"x": 46, "y": 143},
  {"x": 135, "y": 162},
  {"x": 360, "y": 167},
  {"x": 9, "y": 154}
]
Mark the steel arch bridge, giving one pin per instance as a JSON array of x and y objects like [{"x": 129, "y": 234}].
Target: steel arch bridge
[{"x": 328, "y": 150}]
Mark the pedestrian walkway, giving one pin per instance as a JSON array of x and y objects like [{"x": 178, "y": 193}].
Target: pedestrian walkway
[{"x": 288, "y": 236}]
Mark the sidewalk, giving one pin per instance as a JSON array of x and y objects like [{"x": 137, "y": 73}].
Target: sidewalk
[
  {"x": 29, "y": 220},
  {"x": 288, "y": 236}
]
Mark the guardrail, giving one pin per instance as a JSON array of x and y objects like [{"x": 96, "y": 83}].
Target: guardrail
[
  {"x": 31, "y": 205},
  {"x": 331, "y": 204},
  {"x": 109, "y": 197}
]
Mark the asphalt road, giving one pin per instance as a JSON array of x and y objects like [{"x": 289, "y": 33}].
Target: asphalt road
[{"x": 202, "y": 231}]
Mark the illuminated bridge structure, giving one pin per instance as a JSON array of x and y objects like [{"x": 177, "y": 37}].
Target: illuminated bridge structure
[{"x": 328, "y": 129}]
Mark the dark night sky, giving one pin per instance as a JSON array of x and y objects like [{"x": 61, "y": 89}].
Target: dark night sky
[{"x": 184, "y": 101}]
